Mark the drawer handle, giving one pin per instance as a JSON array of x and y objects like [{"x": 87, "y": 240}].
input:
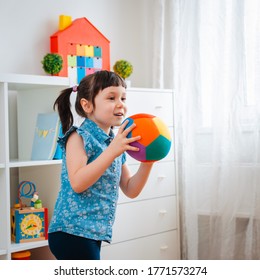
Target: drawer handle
[
  {"x": 164, "y": 248},
  {"x": 162, "y": 212},
  {"x": 158, "y": 107},
  {"x": 161, "y": 177}
]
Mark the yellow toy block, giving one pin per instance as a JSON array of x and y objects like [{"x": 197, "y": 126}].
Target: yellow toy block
[{"x": 64, "y": 22}]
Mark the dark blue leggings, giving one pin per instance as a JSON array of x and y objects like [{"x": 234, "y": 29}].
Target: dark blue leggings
[{"x": 66, "y": 246}]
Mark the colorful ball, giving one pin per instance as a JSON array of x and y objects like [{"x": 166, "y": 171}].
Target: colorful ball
[{"x": 155, "y": 141}]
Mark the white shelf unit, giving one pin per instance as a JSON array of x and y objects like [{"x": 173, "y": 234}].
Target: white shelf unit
[
  {"x": 145, "y": 228},
  {"x": 21, "y": 98}
]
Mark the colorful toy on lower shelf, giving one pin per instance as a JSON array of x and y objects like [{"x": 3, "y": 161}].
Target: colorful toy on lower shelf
[
  {"x": 22, "y": 255},
  {"x": 29, "y": 223},
  {"x": 155, "y": 142}
]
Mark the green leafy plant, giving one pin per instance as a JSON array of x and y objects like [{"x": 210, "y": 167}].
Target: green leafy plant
[
  {"x": 123, "y": 68},
  {"x": 52, "y": 63}
]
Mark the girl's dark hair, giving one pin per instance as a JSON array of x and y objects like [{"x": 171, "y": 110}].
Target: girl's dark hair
[{"x": 88, "y": 88}]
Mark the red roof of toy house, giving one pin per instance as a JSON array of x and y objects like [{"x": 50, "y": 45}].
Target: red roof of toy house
[{"x": 77, "y": 36}]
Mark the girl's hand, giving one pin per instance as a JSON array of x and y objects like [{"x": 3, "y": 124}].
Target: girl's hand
[{"x": 121, "y": 143}]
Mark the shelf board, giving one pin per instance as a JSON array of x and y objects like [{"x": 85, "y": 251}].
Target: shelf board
[
  {"x": 3, "y": 252},
  {"x": 26, "y": 81},
  {"x": 16, "y": 247},
  {"x": 21, "y": 163}
]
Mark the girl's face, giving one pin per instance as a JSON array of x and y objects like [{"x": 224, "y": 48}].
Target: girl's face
[{"x": 110, "y": 108}]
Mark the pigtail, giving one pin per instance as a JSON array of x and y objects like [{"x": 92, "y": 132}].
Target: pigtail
[{"x": 63, "y": 105}]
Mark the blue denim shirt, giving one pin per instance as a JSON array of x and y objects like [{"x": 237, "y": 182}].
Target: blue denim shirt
[{"x": 91, "y": 213}]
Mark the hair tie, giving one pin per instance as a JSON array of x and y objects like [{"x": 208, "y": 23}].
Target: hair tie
[{"x": 75, "y": 88}]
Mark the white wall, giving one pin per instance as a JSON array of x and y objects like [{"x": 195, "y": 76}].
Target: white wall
[{"x": 26, "y": 26}]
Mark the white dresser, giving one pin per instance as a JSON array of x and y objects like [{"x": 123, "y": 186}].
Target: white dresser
[{"x": 147, "y": 227}]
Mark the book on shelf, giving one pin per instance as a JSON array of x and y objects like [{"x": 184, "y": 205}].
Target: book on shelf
[{"x": 47, "y": 131}]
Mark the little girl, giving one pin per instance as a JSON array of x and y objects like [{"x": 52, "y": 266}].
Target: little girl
[{"x": 93, "y": 167}]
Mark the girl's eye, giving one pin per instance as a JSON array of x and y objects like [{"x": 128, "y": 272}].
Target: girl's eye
[
  {"x": 123, "y": 99},
  {"x": 111, "y": 98}
]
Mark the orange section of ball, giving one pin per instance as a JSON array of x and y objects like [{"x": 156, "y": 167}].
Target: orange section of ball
[{"x": 145, "y": 127}]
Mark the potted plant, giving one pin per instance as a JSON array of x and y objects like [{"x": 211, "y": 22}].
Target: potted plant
[
  {"x": 123, "y": 68},
  {"x": 52, "y": 63}
]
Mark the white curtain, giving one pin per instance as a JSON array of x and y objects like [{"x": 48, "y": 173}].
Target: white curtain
[{"x": 212, "y": 48}]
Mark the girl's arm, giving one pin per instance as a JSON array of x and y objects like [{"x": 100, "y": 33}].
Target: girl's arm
[
  {"x": 133, "y": 185},
  {"x": 83, "y": 175}
]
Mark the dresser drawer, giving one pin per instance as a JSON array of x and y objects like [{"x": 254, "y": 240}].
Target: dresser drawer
[
  {"x": 142, "y": 218},
  {"x": 161, "y": 182},
  {"x": 156, "y": 103},
  {"x": 163, "y": 246}
]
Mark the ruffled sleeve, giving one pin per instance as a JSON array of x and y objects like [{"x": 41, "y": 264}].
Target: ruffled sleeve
[
  {"x": 88, "y": 142},
  {"x": 63, "y": 140}
]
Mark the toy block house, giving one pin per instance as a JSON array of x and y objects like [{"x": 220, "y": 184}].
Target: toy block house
[{"x": 83, "y": 48}]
